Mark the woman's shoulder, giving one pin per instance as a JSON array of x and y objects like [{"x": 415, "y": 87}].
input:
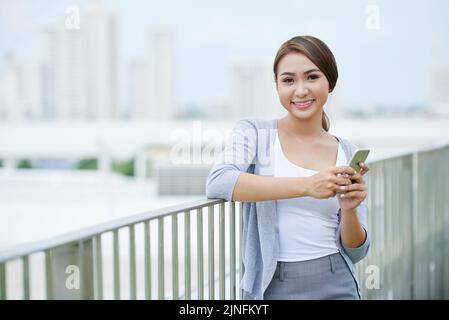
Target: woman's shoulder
[
  {"x": 256, "y": 123},
  {"x": 347, "y": 144}
]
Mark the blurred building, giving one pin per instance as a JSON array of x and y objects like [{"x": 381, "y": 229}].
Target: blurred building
[
  {"x": 71, "y": 73},
  {"x": 253, "y": 92},
  {"x": 151, "y": 86},
  {"x": 160, "y": 74},
  {"x": 13, "y": 95},
  {"x": 137, "y": 91},
  {"x": 439, "y": 91}
]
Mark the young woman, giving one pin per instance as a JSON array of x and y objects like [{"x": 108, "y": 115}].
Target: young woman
[{"x": 304, "y": 224}]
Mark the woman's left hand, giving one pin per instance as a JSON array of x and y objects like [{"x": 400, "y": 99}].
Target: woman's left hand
[{"x": 353, "y": 194}]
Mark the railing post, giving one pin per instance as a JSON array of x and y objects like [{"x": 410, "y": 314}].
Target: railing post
[
  {"x": 199, "y": 238},
  {"x": 175, "y": 269},
  {"x": 221, "y": 251},
  {"x": 232, "y": 249},
  {"x": 211, "y": 253},
  {"x": 187, "y": 266},
  {"x": 161, "y": 273},
  {"x": 414, "y": 223},
  {"x": 26, "y": 277},
  {"x": 49, "y": 274},
  {"x": 116, "y": 248},
  {"x": 132, "y": 263},
  {"x": 98, "y": 267},
  {"x": 2, "y": 281},
  {"x": 147, "y": 260}
]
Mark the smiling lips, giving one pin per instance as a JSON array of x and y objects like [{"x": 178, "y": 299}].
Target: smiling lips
[{"x": 302, "y": 105}]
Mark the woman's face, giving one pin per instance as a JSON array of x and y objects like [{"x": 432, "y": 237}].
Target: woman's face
[{"x": 302, "y": 88}]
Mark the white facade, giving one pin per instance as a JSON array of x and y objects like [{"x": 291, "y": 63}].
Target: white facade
[
  {"x": 137, "y": 91},
  {"x": 440, "y": 92},
  {"x": 70, "y": 74},
  {"x": 100, "y": 32},
  {"x": 160, "y": 79},
  {"x": 42, "y": 78},
  {"x": 253, "y": 92},
  {"x": 13, "y": 96}
]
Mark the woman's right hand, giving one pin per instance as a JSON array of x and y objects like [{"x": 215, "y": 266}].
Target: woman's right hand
[{"x": 328, "y": 182}]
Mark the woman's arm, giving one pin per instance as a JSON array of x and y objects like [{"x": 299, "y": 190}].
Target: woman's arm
[
  {"x": 322, "y": 185},
  {"x": 251, "y": 188},
  {"x": 353, "y": 235}
]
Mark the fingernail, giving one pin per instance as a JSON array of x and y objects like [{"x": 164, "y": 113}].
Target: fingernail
[
  {"x": 342, "y": 188},
  {"x": 342, "y": 195}
]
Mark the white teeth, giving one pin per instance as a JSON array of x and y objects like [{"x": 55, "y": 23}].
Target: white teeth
[{"x": 305, "y": 103}]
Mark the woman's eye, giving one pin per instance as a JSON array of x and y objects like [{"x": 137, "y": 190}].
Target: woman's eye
[
  {"x": 288, "y": 80},
  {"x": 312, "y": 77}
]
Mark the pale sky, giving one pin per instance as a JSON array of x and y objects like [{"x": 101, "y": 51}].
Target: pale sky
[{"x": 386, "y": 67}]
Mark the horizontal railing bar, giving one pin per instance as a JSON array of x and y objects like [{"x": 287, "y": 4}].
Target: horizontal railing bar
[
  {"x": 410, "y": 151},
  {"x": 87, "y": 233}
]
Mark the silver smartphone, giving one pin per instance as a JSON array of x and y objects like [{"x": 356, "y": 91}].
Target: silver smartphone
[{"x": 359, "y": 156}]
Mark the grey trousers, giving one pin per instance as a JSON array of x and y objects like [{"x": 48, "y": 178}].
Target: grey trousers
[{"x": 325, "y": 278}]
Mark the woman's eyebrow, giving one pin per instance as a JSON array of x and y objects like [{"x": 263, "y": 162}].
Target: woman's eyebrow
[{"x": 293, "y": 74}]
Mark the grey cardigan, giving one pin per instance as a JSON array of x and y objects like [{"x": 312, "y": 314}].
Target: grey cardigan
[{"x": 250, "y": 149}]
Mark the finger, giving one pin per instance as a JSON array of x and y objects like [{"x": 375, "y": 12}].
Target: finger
[
  {"x": 357, "y": 178},
  {"x": 364, "y": 167},
  {"x": 342, "y": 181},
  {"x": 352, "y": 187},
  {"x": 355, "y": 187},
  {"x": 342, "y": 170},
  {"x": 354, "y": 194}
]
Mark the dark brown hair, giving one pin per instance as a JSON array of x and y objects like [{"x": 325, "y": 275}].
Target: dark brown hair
[{"x": 319, "y": 53}]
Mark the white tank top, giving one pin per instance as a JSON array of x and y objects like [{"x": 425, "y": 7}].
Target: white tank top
[{"x": 306, "y": 225}]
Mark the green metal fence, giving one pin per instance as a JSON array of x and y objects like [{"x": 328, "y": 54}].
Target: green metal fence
[
  {"x": 74, "y": 269},
  {"x": 408, "y": 217},
  {"x": 173, "y": 253}
]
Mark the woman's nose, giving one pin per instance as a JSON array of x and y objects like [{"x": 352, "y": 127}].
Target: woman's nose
[{"x": 301, "y": 90}]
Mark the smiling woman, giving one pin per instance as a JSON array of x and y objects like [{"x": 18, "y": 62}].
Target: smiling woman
[{"x": 304, "y": 217}]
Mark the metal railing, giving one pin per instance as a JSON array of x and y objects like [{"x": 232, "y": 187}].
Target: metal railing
[
  {"x": 74, "y": 267},
  {"x": 408, "y": 219}
]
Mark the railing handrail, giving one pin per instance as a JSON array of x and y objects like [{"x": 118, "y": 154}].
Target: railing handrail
[
  {"x": 413, "y": 150},
  {"x": 88, "y": 232}
]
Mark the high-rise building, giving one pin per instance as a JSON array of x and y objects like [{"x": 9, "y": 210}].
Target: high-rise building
[
  {"x": 74, "y": 71},
  {"x": 100, "y": 27},
  {"x": 137, "y": 91},
  {"x": 13, "y": 89},
  {"x": 160, "y": 67},
  {"x": 253, "y": 92},
  {"x": 42, "y": 81},
  {"x": 440, "y": 92}
]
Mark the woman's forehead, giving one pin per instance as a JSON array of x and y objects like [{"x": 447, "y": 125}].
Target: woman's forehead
[{"x": 295, "y": 62}]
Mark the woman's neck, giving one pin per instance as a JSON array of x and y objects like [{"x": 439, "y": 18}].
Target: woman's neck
[{"x": 309, "y": 130}]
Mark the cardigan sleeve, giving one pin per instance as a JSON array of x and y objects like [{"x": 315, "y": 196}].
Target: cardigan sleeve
[{"x": 238, "y": 154}]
